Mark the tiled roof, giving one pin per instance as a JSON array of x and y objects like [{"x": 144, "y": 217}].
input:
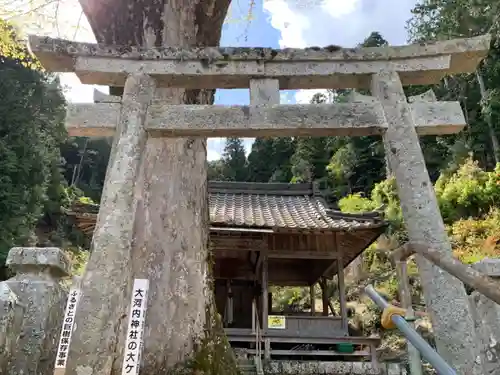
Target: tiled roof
[
  {"x": 270, "y": 205},
  {"x": 291, "y": 206}
]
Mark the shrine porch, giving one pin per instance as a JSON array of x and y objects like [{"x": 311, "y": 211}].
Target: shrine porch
[{"x": 285, "y": 346}]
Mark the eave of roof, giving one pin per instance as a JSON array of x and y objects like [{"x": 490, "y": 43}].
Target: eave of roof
[
  {"x": 281, "y": 206},
  {"x": 269, "y": 207}
]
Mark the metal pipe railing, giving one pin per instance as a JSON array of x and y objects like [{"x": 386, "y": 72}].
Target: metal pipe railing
[{"x": 412, "y": 336}]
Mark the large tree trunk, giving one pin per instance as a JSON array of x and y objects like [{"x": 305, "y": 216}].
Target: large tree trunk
[{"x": 170, "y": 246}]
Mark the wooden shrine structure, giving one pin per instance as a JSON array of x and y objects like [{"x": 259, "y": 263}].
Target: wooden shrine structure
[
  {"x": 278, "y": 234},
  {"x": 143, "y": 114}
]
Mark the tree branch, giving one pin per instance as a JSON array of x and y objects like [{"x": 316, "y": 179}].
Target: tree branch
[{"x": 468, "y": 275}]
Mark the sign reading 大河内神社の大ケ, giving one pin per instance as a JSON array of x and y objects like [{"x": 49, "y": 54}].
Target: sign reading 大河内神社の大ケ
[{"x": 135, "y": 328}]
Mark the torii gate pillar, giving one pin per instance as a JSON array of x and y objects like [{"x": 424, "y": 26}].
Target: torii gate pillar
[{"x": 444, "y": 294}]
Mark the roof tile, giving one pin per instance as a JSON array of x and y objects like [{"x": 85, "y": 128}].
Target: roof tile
[
  {"x": 274, "y": 205},
  {"x": 277, "y": 211}
]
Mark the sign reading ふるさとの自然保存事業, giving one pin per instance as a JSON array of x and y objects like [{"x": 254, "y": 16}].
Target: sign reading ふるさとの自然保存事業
[
  {"x": 66, "y": 331},
  {"x": 135, "y": 329}
]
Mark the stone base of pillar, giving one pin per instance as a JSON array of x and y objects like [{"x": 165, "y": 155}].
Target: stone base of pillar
[
  {"x": 31, "y": 310},
  {"x": 486, "y": 315}
]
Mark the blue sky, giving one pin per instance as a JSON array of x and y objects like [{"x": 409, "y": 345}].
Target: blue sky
[
  {"x": 278, "y": 24},
  {"x": 243, "y": 32}
]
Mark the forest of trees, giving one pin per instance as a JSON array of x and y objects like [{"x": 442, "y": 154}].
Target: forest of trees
[{"x": 42, "y": 170}]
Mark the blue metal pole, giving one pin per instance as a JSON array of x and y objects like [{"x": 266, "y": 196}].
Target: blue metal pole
[{"x": 412, "y": 336}]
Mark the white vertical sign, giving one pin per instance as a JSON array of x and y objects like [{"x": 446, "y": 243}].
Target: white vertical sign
[
  {"x": 135, "y": 329},
  {"x": 67, "y": 328}
]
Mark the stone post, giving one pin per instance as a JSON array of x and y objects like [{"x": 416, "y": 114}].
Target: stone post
[
  {"x": 445, "y": 295},
  {"x": 11, "y": 317},
  {"x": 107, "y": 281},
  {"x": 35, "y": 304},
  {"x": 486, "y": 315}
]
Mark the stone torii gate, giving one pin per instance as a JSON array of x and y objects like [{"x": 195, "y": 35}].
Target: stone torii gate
[{"x": 106, "y": 285}]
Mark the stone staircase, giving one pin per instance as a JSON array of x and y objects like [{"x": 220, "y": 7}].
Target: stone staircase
[{"x": 247, "y": 366}]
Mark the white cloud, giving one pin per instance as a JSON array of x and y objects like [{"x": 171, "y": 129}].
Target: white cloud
[
  {"x": 305, "y": 96},
  {"x": 342, "y": 22},
  {"x": 215, "y": 147},
  {"x": 211, "y": 153},
  {"x": 346, "y": 23},
  {"x": 340, "y": 8},
  {"x": 290, "y": 23},
  {"x": 75, "y": 92},
  {"x": 296, "y": 18}
]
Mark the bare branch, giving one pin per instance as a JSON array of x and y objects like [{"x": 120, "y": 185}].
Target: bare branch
[
  {"x": 60, "y": 18},
  {"x": 32, "y": 10}
]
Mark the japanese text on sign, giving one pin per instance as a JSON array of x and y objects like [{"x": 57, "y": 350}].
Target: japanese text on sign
[
  {"x": 276, "y": 322},
  {"x": 67, "y": 328},
  {"x": 135, "y": 329}
]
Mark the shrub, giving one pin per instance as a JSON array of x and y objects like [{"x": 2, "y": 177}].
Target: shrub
[
  {"x": 469, "y": 192},
  {"x": 469, "y": 200}
]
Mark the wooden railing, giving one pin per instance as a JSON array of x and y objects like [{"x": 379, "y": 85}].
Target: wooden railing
[
  {"x": 468, "y": 275},
  {"x": 465, "y": 273}
]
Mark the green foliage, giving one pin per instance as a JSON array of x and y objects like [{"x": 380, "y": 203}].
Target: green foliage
[
  {"x": 31, "y": 130},
  {"x": 310, "y": 159},
  {"x": 383, "y": 198},
  {"x": 290, "y": 298},
  {"x": 86, "y": 200},
  {"x": 216, "y": 170},
  {"x": 375, "y": 39},
  {"x": 355, "y": 163},
  {"x": 234, "y": 160},
  {"x": 78, "y": 259},
  {"x": 468, "y": 198},
  {"x": 260, "y": 160},
  {"x": 469, "y": 192},
  {"x": 14, "y": 49},
  {"x": 356, "y": 203},
  {"x": 445, "y": 19},
  {"x": 269, "y": 159},
  {"x": 388, "y": 287},
  {"x": 474, "y": 239},
  {"x": 85, "y": 164}
]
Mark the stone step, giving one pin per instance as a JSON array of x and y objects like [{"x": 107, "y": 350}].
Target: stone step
[
  {"x": 249, "y": 361},
  {"x": 246, "y": 362},
  {"x": 248, "y": 371},
  {"x": 246, "y": 367}
]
